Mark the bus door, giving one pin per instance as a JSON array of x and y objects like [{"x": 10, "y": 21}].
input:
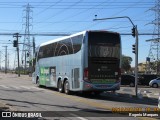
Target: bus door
[
  {"x": 53, "y": 76},
  {"x": 75, "y": 78}
]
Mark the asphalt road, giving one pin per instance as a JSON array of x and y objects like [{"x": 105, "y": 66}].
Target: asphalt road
[{"x": 20, "y": 94}]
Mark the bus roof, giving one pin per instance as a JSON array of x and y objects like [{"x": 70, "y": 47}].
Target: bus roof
[
  {"x": 79, "y": 33},
  {"x": 59, "y": 39}
]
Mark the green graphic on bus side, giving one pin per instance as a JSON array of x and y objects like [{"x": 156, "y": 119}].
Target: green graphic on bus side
[
  {"x": 103, "y": 81},
  {"x": 44, "y": 75}
]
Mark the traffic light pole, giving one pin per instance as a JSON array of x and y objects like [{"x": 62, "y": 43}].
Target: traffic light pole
[{"x": 136, "y": 61}]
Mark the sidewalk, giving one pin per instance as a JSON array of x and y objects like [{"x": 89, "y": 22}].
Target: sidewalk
[
  {"x": 128, "y": 94},
  {"x": 141, "y": 92}
]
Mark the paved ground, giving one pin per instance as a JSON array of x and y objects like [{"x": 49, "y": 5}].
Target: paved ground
[
  {"x": 142, "y": 92},
  {"x": 125, "y": 92}
]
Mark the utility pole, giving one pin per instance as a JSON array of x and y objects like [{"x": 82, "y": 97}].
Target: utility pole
[
  {"x": 0, "y": 60},
  {"x": 34, "y": 46},
  {"x": 27, "y": 42},
  {"x": 8, "y": 61},
  {"x": 5, "y": 59},
  {"x": 25, "y": 65},
  {"x": 17, "y": 36},
  {"x": 15, "y": 60},
  {"x": 154, "y": 52},
  {"x": 25, "y": 62},
  {"x": 33, "y": 60}
]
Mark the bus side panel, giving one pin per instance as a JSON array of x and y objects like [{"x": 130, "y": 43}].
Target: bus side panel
[
  {"x": 78, "y": 69},
  {"x": 68, "y": 67},
  {"x": 64, "y": 67},
  {"x": 75, "y": 72}
]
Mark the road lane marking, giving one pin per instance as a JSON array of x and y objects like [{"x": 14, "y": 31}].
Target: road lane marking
[
  {"x": 81, "y": 118},
  {"x": 15, "y": 87},
  {"x": 25, "y": 87},
  {"x": 37, "y": 88},
  {"x": 4, "y": 86}
]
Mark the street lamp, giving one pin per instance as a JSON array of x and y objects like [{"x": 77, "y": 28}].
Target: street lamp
[{"x": 134, "y": 34}]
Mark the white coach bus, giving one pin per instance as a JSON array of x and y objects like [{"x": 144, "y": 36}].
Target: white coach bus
[{"x": 89, "y": 61}]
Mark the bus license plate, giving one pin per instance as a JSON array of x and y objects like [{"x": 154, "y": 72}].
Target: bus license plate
[{"x": 103, "y": 81}]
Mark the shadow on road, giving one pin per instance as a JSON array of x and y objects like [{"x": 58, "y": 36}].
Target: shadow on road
[{"x": 121, "y": 97}]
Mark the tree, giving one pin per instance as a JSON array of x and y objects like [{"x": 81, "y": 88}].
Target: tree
[
  {"x": 155, "y": 66},
  {"x": 126, "y": 63}
]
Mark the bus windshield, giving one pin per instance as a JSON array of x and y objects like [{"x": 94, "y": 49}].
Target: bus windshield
[{"x": 102, "y": 44}]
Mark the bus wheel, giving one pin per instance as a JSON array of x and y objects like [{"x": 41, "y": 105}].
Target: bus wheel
[
  {"x": 66, "y": 87},
  {"x": 60, "y": 86}
]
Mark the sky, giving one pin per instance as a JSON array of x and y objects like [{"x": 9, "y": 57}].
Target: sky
[{"x": 71, "y": 16}]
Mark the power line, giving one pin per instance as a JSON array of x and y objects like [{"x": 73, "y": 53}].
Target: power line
[
  {"x": 64, "y": 5},
  {"x": 79, "y": 5},
  {"x": 48, "y": 7},
  {"x": 64, "y": 34},
  {"x": 68, "y": 3},
  {"x": 37, "y": 34},
  {"x": 84, "y": 11},
  {"x": 63, "y": 10}
]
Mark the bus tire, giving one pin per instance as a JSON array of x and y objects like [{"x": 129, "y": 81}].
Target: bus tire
[
  {"x": 66, "y": 88},
  {"x": 60, "y": 86}
]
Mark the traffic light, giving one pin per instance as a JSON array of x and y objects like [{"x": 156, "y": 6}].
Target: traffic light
[
  {"x": 15, "y": 43},
  {"x": 134, "y": 48},
  {"x": 27, "y": 54},
  {"x": 133, "y": 31}
]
